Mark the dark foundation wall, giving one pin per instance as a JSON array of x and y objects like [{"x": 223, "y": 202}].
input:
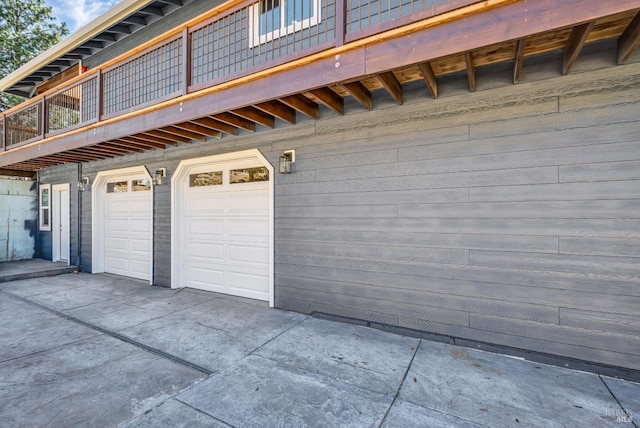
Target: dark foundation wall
[{"x": 509, "y": 216}]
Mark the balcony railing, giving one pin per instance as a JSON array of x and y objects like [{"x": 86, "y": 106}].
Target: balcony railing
[{"x": 245, "y": 38}]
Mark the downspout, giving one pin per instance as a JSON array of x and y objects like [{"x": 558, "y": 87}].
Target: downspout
[{"x": 79, "y": 241}]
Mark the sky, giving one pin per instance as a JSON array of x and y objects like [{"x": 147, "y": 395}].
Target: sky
[{"x": 77, "y": 13}]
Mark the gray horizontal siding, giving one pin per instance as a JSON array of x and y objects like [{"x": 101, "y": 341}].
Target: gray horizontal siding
[
  {"x": 509, "y": 216},
  {"x": 488, "y": 219}
]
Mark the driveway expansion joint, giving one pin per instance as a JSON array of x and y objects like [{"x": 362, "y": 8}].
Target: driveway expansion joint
[
  {"x": 115, "y": 335},
  {"x": 404, "y": 378},
  {"x": 618, "y": 401}
]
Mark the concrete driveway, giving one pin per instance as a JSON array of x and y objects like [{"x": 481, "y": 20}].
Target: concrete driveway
[{"x": 101, "y": 350}]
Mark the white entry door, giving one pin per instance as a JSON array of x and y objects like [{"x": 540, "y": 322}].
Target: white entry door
[
  {"x": 60, "y": 223},
  {"x": 122, "y": 223},
  {"x": 223, "y": 236}
]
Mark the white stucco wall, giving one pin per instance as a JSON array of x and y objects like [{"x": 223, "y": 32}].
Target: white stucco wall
[{"x": 18, "y": 215}]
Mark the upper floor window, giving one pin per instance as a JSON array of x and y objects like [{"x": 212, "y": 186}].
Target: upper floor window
[{"x": 270, "y": 19}]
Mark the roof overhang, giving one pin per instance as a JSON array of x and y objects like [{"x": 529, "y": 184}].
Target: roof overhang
[{"x": 85, "y": 42}]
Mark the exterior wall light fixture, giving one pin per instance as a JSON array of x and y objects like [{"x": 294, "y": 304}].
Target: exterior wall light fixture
[
  {"x": 159, "y": 175},
  {"x": 83, "y": 184},
  {"x": 287, "y": 158}
]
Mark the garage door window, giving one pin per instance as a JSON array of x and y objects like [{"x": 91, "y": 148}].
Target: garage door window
[
  {"x": 248, "y": 175},
  {"x": 203, "y": 179},
  {"x": 141, "y": 185},
  {"x": 118, "y": 187}
]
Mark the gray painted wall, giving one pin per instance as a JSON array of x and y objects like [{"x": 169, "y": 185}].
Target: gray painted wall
[
  {"x": 18, "y": 219},
  {"x": 509, "y": 216}
]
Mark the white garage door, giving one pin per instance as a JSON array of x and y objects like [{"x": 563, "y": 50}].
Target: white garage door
[
  {"x": 127, "y": 227},
  {"x": 223, "y": 244}
]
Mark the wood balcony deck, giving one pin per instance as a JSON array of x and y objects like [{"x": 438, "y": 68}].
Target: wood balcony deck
[{"x": 208, "y": 77}]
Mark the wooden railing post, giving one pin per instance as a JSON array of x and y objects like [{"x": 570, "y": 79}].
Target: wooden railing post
[
  {"x": 43, "y": 119},
  {"x": 341, "y": 21},
  {"x": 3, "y": 140},
  {"x": 186, "y": 60},
  {"x": 100, "y": 96}
]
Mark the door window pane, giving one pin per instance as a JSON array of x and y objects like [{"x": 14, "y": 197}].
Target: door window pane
[
  {"x": 248, "y": 175},
  {"x": 213, "y": 178},
  {"x": 118, "y": 187},
  {"x": 141, "y": 185}
]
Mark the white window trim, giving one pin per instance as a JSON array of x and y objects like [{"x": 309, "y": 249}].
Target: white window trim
[
  {"x": 256, "y": 39},
  {"x": 41, "y": 208}
]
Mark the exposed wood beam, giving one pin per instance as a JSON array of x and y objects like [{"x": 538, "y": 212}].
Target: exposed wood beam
[
  {"x": 519, "y": 59},
  {"x": 279, "y": 110},
  {"x": 122, "y": 29},
  {"x": 574, "y": 45},
  {"x": 257, "y": 116},
  {"x": 329, "y": 98},
  {"x": 59, "y": 159},
  {"x": 150, "y": 10},
  {"x": 60, "y": 62},
  {"x": 107, "y": 37},
  {"x": 360, "y": 93},
  {"x": 629, "y": 40},
  {"x": 145, "y": 143},
  {"x": 111, "y": 150},
  {"x": 82, "y": 51},
  {"x": 75, "y": 157},
  {"x": 216, "y": 125},
  {"x": 429, "y": 78},
  {"x": 93, "y": 150},
  {"x": 419, "y": 45},
  {"x": 126, "y": 144},
  {"x": 471, "y": 71},
  {"x": 303, "y": 104},
  {"x": 92, "y": 44},
  {"x": 137, "y": 20},
  {"x": 87, "y": 156},
  {"x": 234, "y": 120},
  {"x": 17, "y": 173},
  {"x": 182, "y": 133},
  {"x": 199, "y": 129},
  {"x": 392, "y": 85},
  {"x": 163, "y": 136},
  {"x": 110, "y": 145}
]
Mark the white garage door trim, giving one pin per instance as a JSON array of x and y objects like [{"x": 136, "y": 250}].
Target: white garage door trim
[
  {"x": 98, "y": 194},
  {"x": 177, "y": 209}
]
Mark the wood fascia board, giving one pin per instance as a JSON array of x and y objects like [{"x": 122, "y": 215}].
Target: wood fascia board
[{"x": 512, "y": 21}]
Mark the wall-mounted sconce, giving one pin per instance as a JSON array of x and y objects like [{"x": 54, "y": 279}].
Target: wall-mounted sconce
[
  {"x": 159, "y": 175},
  {"x": 83, "y": 184},
  {"x": 287, "y": 158}
]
